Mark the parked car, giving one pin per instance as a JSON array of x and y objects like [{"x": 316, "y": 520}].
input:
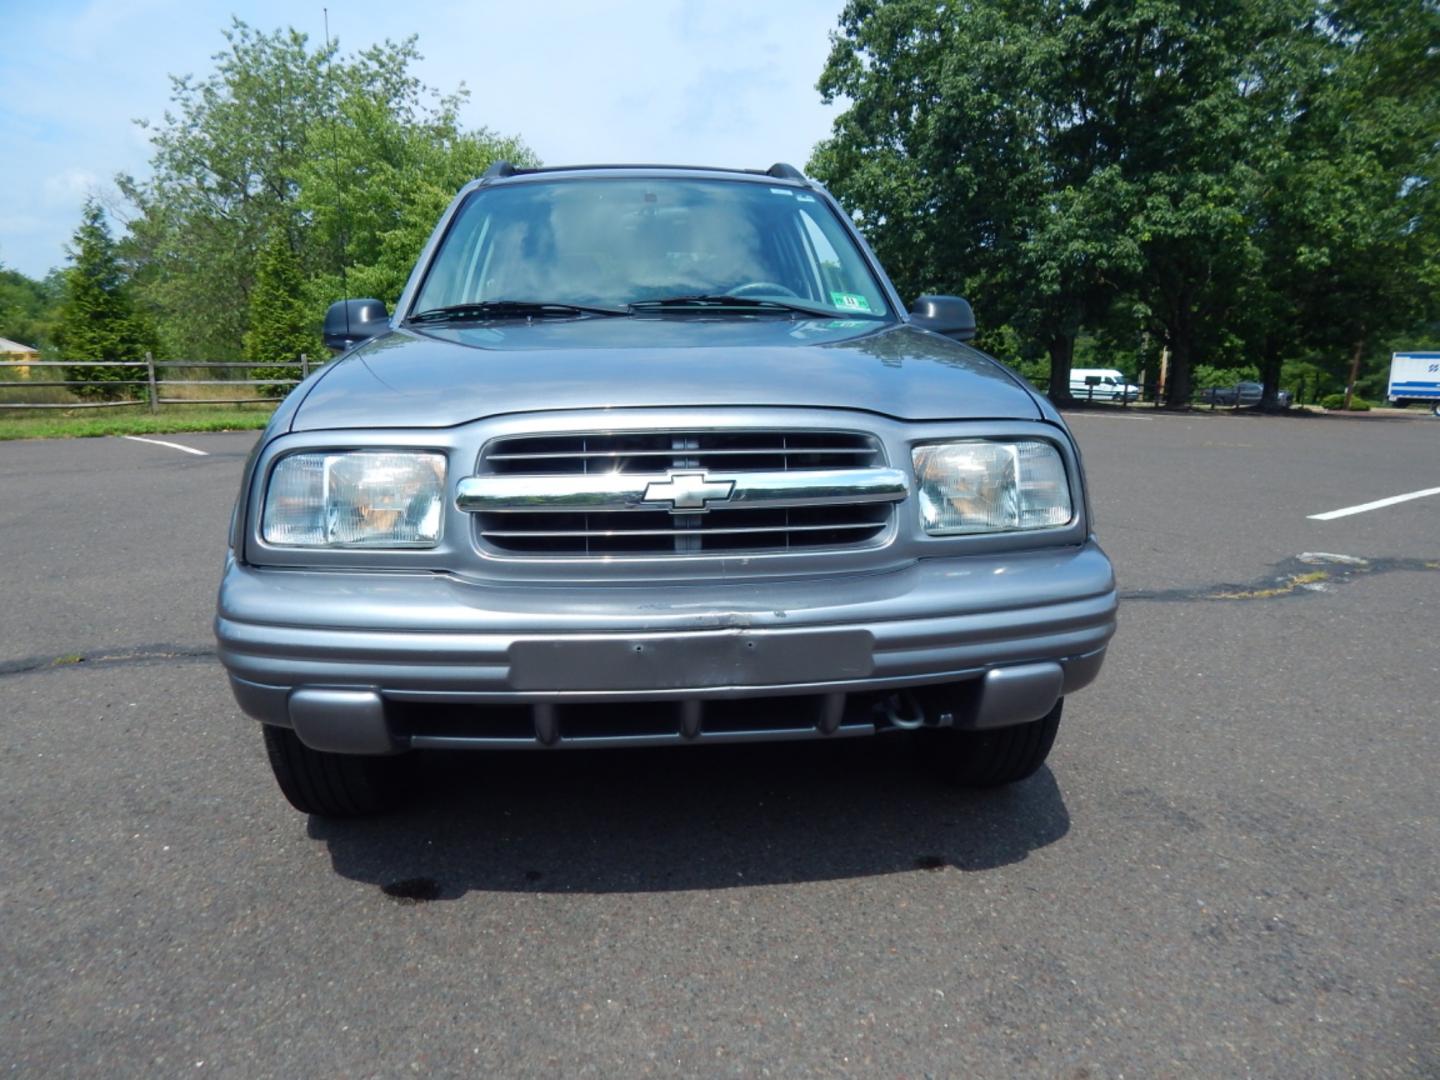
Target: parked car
[
  {"x": 656, "y": 456},
  {"x": 1102, "y": 384},
  {"x": 1244, "y": 393}
]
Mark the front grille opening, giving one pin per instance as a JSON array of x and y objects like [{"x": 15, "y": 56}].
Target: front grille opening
[
  {"x": 650, "y": 451},
  {"x": 618, "y": 719},
  {"x": 762, "y": 714},
  {"x": 517, "y": 725},
  {"x": 461, "y": 721},
  {"x": 652, "y": 532},
  {"x": 720, "y": 530}
]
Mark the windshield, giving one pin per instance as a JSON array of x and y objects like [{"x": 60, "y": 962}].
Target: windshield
[{"x": 615, "y": 242}]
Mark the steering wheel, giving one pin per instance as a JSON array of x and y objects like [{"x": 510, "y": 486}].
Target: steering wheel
[{"x": 761, "y": 288}]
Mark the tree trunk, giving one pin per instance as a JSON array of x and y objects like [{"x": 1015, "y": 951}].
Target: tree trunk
[
  {"x": 1270, "y": 375},
  {"x": 1354, "y": 371},
  {"x": 1062, "y": 355},
  {"x": 1179, "y": 323},
  {"x": 1178, "y": 386}
]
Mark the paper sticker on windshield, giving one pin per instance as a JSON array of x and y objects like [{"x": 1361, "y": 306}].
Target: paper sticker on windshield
[
  {"x": 781, "y": 191},
  {"x": 804, "y": 198},
  {"x": 853, "y": 301}
]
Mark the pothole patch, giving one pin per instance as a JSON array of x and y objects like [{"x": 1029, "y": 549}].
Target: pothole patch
[{"x": 1308, "y": 572}]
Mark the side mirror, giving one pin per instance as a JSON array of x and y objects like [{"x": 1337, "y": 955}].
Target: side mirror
[
  {"x": 349, "y": 322},
  {"x": 948, "y": 315}
]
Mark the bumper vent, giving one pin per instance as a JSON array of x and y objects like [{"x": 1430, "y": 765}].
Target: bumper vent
[{"x": 771, "y": 506}]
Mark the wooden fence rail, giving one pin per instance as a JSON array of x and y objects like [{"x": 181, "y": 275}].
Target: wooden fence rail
[{"x": 149, "y": 373}]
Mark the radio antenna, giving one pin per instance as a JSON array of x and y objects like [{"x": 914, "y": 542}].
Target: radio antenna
[{"x": 340, "y": 230}]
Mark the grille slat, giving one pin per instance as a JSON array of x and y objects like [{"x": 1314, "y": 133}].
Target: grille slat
[
  {"x": 692, "y": 530},
  {"x": 719, "y": 454},
  {"x": 772, "y": 451}
]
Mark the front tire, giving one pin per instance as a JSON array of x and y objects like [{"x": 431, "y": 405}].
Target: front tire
[
  {"x": 993, "y": 757},
  {"x": 332, "y": 785}
]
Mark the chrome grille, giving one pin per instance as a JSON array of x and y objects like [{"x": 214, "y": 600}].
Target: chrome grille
[
  {"x": 696, "y": 528},
  {"x": 716, "y": 451}
]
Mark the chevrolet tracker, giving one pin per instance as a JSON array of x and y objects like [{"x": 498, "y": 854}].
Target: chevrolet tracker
[{"x": 653, "y": 456}]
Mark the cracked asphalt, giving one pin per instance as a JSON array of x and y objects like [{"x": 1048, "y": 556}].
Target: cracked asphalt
[{"x": 1227, "y": 869}]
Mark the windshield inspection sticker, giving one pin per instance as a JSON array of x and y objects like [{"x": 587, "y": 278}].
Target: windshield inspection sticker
[
  {"x": 853, "y": 301},
  {"x": 781, "y": 191}
]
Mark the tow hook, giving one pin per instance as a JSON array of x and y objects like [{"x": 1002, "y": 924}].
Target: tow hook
[{"x": 902, "y": 710}]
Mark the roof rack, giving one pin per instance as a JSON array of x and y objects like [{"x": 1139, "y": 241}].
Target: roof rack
[{"x": 780, "y": 171}]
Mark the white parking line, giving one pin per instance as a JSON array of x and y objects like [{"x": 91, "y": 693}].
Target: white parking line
[
  {"x": 172, "y": 445},
  {"x": 1378, "y": 504}
]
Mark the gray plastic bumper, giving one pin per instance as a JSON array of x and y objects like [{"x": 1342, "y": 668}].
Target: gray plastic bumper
[{"x": 333, "y": 654}]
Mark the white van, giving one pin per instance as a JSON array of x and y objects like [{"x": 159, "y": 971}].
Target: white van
[{"x": 1107, "y": 384}]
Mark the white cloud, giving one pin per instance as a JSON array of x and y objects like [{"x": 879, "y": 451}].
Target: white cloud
[{"x": 65, "y": 188}]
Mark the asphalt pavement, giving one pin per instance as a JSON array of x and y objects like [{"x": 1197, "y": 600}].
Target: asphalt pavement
[{"x": 1228, "y": 867}]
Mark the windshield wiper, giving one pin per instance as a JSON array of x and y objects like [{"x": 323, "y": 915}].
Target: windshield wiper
[
  {"x": 720, "y": 301},
  {"x": 507, "y": 309}
]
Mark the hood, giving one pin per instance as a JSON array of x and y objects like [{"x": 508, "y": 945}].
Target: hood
[{"x": 451, "y": 375}]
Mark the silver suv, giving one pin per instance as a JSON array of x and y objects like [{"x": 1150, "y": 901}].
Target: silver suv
[{"x": 656, "y": 457}]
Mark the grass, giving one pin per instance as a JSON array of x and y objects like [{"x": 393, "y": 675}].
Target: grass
[{"x": 82, "y": 423}]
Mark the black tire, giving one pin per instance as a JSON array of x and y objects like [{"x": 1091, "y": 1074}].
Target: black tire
[
  {"x": 993, "y": 757},
  {"x": 332, "y": 785}
]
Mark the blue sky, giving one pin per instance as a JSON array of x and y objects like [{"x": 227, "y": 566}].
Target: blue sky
[{"x": 724, "y": 82}]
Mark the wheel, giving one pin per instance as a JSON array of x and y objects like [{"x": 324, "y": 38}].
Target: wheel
[
  {"x": 993, "y": 757},
  {"x": 1435, "y": 411},
  {"x": 332, "y": 785}
]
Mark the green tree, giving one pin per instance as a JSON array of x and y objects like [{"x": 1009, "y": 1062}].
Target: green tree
[
  {"x": 27, "y": 308},
  {"x": 349, "y": 152},
  {"x": 1364, "y": 198},
  {"x": 959, "y": 155},
  {"x": 392, "y": 161},
  {"x": 225, "y": 165},
  {"x": 1255, "y": 179},
  {"x": 97, "y": 317},
  {"x": 1183, "y": 100},
  {"x": 281, "y": 328}
]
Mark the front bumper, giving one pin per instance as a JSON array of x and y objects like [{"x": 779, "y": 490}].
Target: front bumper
[{"x": 379, "y": 662}]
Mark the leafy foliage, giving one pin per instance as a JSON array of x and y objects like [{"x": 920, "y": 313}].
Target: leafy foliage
[
  {"x": 1238, "y": 181},
  {"x": 351, "y": 157},
  {"x": 281, "y": 330},
  {"x": 97, "y": 317},
  {"x": 27, "y": 307}
]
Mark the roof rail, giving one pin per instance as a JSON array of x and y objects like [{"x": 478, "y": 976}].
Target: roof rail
[
  {"x": 781, "y": 171},
  {"x": 501, "y": 170}
]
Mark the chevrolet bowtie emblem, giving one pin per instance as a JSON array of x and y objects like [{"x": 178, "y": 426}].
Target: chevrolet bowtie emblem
[{"x": 688, "y": 491}]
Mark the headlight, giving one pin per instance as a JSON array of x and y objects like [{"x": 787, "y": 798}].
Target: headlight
[
  {"x": 358, "y": 498},
  {"x": 979, "y": 486}
]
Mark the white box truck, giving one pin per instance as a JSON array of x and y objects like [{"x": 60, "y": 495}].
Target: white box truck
[{"x": 1415, "y": 378}]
